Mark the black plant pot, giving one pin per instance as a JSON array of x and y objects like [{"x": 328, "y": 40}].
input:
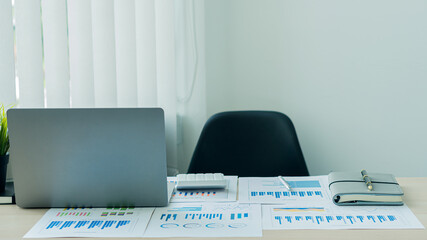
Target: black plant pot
[{"x": 4, "y": 160}]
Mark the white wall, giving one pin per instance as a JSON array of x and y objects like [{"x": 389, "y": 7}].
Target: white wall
[{"x": 352, "y": 75}]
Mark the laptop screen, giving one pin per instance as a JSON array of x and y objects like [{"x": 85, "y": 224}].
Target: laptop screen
[{"x": 92, "y": 157}]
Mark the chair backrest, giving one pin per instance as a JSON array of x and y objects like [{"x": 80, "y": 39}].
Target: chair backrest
[{"x": 249, "y": 144}]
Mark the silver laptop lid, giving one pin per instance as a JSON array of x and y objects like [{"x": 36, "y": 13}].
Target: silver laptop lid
[{"x": 88, "y": 157}]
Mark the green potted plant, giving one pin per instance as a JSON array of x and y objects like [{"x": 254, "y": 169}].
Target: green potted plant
[{"x": 4, "y": 147}]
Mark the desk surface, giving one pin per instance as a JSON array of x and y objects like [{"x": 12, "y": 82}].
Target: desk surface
[{"x": 15, "y": 222}]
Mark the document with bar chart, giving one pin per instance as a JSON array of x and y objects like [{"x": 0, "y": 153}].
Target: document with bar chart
[
  {"x": 270, "y": 190},
  {"x": 92, "y": 222},
  {"x": 206, "y": 220},
  {"x": 229, "y": 194},
  {"x": 335, "y": 217}
]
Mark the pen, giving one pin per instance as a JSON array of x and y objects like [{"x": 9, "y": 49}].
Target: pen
[
  {"x": 283, "y": 181},
  {"x": 367, "y": 179}
]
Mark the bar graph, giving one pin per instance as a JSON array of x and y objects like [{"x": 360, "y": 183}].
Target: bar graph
[
  {"x": 287, "y": 195},
  {"x": 329, "y": 216},
  {"x": 118, "y": 211},
  {"x": 271, "y": 190},
  {"x": 93, "y": 222},
  {"x": 87, "y": 224},
  {"x": 179, "y": 219},
  {"x": 74, "y": 214},
  {"x": 105, "y": 214},
  {"x": 355, "y": 220},
  {"x": 89, "y": 212},
  {"x": 167, "y": 217},
  {"x": 211, "y": 216}
]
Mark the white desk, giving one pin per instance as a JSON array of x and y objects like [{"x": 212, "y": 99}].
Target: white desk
[{"x": 15, "y": 222}]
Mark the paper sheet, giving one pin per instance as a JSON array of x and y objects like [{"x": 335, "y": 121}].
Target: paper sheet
[
  {"x": 330, "y": 216},
  {"x": 206, "y": 220},
  {"x": 270, "y": 190},
  {"x": 307, "y": 206},
  {"x": 92, "y": 222},
  {"x": 229, "y": 194}
]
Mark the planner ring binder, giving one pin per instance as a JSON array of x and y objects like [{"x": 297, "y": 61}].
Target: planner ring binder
[{"x": 349, "y": 188}]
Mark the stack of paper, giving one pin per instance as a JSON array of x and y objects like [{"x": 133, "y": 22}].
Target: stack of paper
[
  {"x": 309, "y": 206},
  {"x": 264, "y": 203}
]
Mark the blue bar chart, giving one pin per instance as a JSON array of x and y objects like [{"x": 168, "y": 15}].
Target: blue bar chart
[
  {"x": 193, "y": 216},
  {"x": 170, "y": 217},
  {"x": 271, "y": 190},
  {"x": 216, "y": 219},
  {"x": 330, "y": 216},
  {"x": 288, "y": 194},
  {"x": 96, "y": 222},
  {"x": 333, "y": 220},
  {"x": 87, "y": 224}
]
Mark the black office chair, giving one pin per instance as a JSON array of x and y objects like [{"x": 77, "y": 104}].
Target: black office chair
[{"x": 249, "y": 144}]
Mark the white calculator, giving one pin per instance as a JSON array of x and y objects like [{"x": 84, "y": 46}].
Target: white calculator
[{"x": 201, "y": 181}]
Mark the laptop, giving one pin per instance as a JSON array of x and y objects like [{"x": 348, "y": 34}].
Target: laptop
[{"x": 93, "y": 157}]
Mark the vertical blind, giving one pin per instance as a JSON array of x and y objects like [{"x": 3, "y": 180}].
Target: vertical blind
[
  {"x": 7, "y": 65},
  {"x": 55, "y": 38},
  {"x": 90, "y": 53}
]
